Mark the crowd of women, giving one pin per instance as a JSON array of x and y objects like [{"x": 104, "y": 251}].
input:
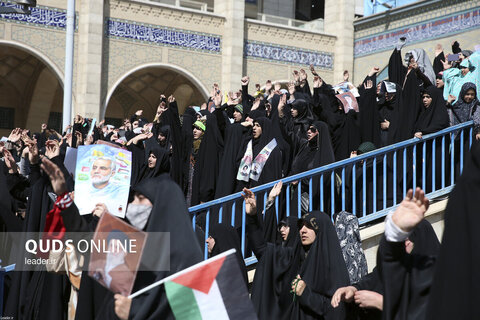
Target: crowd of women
[{"x": 240, "y": 140}]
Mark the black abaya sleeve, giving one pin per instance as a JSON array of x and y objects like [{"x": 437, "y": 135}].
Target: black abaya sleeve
[
  {"x": 315, "y": 303},
  {"x": 255, "y": 236},
  {"x": 393, "y": 273},
  {"x": 369, "y": 114},
  {"x": 396, "y": 70},
  {"x": 437, "y": 63},
  {"x": 74, "y": 222}
]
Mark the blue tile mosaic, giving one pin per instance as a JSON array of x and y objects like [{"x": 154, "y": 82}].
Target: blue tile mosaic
[
  {"x": 163, "y": 36},
  {"x": 442, "y": 27},
  {"x": 288, "y": 54},
  {"x": 42, "y": 16}
]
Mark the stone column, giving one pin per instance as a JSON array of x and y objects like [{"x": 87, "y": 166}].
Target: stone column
[
  {"x": 339, "y": 16},
  {"x": 232, "y": 42},
  {"x": 89, "y": 58}
]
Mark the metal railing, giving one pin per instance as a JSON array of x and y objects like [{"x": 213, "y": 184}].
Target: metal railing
[{"x": 369, "y": 185}]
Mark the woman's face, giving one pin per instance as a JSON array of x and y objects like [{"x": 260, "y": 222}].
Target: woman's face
[
  {"x": 197, "y": 133},
  {"x": 152, "y": 160},
  {"x": 307, "y": 235},
  {"x": 211, "y": 243},
  {"x": 284, "y": 231},
  {"x": 294, "y": 112},
  {"x": 469, "y": 96},
  {"x": 440, "y": 83},
  {"x": 427, "y": 100},
  {"x": 311, "y": 133},
  {"x": 237, "y": 116},
  {"x": 257, "y": 130}
]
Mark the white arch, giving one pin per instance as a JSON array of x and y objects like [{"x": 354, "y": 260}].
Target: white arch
[
  {"x": 196, "y": 82},
  {"x": 37, "y": 54}
]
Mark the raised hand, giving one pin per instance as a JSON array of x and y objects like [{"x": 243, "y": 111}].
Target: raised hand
[
  {"x": 171, "y": 99},
  {"x": 57, "y": 179},
  {"x": 15, "y": 135},
  {"x": 9, "y": 160},
  {"x": 217, "y": 99},
  {"x": 276, "y": 190},
  {"x": 33, "y": 153},
  {"x": 250, "y": 202},
  {"x": 312, "y": 70},
  {"x": 291, "y": 88},
  {"x": 411, "y": 210},
  {"x": 52, "y": 149},
  {"x": 303, "y": 75},
  {"x": 317, "y": 82},
  {"x": 245, "y": 81},
  {"x": 368, "y": 84},
  {"x": 374, "y": 71},
  {"x": 139, "y": 113}
]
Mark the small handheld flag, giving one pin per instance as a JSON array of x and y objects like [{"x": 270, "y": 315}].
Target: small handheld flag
[{"x": 211, "y": 289}]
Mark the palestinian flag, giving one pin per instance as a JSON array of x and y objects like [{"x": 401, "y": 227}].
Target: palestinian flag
[{"x": 212, "y": 289}]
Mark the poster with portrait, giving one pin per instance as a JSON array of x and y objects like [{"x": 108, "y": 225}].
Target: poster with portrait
[
  {"x": 102, "y": 175},
  {"x": 348, "y": 101},
  {"x": 116, "y": 251}
]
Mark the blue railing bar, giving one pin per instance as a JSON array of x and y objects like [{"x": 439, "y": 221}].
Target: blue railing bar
[
  {"x": 243, "y": 228},
  {"x": 394, "y": 178},
  {"x": 443, "y": 162},
  {"x": 414, "y": 171},
  {"x": 404, "y": 172},
  {"x": 374, "y": 177},
  {"x": 384, "y": 181},
  {"x": 207, "y": 231},
  {"x": 470, "y": 136},
  {"x": 233, "y": 213},
  {"x": 9, "y": 268},
  {"x": 332, "y": 188},
  {"x": 343, "y": 189},
  {"x": 434, "y": 158},
  {"x": 194, "y": 219},
  {"x": 321, "y": 193},
  {"x": 461, "y": 151},
  {"x": 332, "y": 166},
  {"x": 452, "y": 160},
  {"x": 276, "y": 208},
  {"x": 299, "y": 199},
  {"x": 382, "y": 213},
  {"x": 310, "y": 196},
  {"x": 354, "y": 191},
  {"x": 364, "y": 182},
  {"x": 288, "y": 200},
  {"x": 220, "y": 213},
  {"x": 424, "y": 165}
]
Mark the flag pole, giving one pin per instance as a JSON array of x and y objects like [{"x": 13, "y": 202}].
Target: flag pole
[{"x": 156, "y": 284}]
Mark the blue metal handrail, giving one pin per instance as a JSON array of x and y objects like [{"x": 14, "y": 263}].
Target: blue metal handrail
[{"x": 398, "y": 151}]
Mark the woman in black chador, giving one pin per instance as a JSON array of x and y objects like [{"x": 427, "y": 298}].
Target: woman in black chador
[{"x": 297, "y": 282}]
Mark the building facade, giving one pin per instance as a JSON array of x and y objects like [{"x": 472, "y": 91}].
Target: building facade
[{"x": 128, "y": 52}]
